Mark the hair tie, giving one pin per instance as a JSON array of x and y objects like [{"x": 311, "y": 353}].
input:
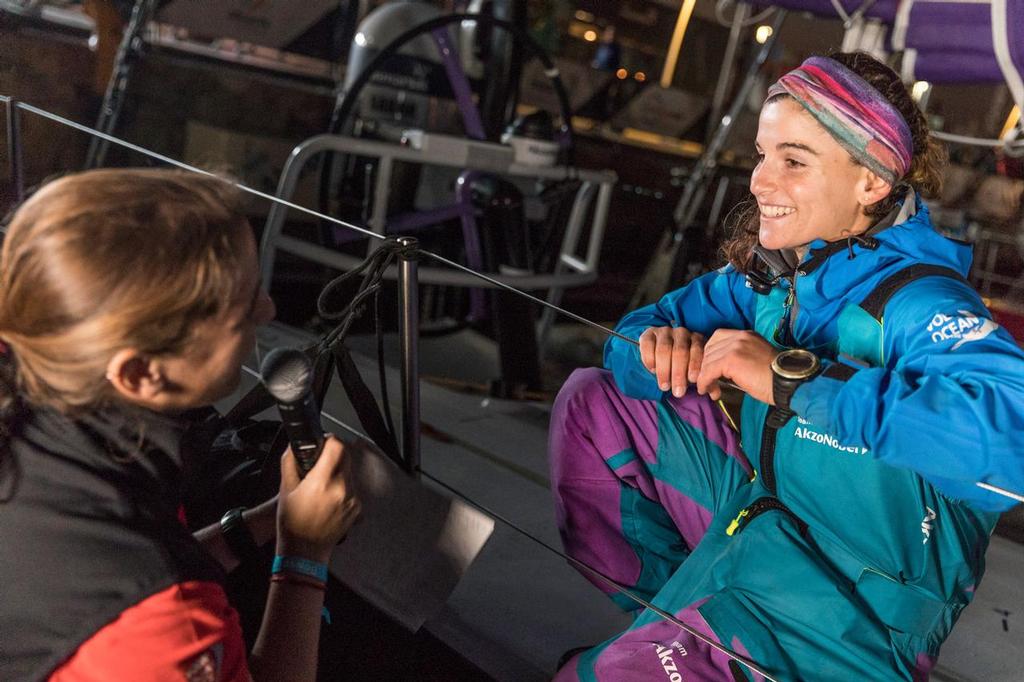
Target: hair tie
[{"x": 860, "y": 119}]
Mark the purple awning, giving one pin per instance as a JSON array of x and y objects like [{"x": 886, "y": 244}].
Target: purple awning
[{"x": 947, "y": 41}]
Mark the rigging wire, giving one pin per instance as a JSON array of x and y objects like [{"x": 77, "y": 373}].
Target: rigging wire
[
  {"x": 184, "y": 166},
  {"x": 629, "y": 594},
  {"x": 596, "y": 574},
  {"x": 146, "y": 152},
  {"x": 621, "y": 589}
]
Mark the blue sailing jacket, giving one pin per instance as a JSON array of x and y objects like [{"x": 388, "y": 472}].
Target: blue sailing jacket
[
  {"x": 948, "y": 400},
  {"x": 881, "y": 462}
]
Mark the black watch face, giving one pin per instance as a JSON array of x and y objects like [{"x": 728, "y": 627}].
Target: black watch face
[{"x": 795, "y": 363}]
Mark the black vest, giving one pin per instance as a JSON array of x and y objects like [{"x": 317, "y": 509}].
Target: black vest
[{"x": 89, "y": 526}]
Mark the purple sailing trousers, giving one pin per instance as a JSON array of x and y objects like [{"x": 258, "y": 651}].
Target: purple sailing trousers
[{"x": 636, "y": 485}]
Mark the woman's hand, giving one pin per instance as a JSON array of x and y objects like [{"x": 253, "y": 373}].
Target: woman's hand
[
  {"x": 673, "y": 355},
  {"x": 744, "y": 358},
  {"x": 315, "y": 513}
]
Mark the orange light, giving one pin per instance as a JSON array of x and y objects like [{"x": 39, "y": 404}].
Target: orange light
[
  {"x": 622, "y": 74},
  {"x": 682, "y": 21},
  {"x": 640, "y": 76},
  {"x": 590, "y": 36},
  {"x": 1011, "y": 122}
]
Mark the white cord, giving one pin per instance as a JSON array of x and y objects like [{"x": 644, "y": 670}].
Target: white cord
[
  {"x": 1011, "y": 147},
  {"x": 839, "y": 10},
  {"x": 720, "y": 14}
]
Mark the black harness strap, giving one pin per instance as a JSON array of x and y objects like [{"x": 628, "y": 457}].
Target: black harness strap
[
  {"x": 329, "y": 353},
  {"x": 365, "y": 403},
  {"x": 874, "y": 303},
  {"x": 359, "y": 394}
]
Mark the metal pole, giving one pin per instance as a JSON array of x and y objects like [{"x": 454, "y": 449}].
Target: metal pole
[
  {"x": 725, "y": 74},
  {"x": 14, "y": 149},
  {"x": 408, "y": 329}
]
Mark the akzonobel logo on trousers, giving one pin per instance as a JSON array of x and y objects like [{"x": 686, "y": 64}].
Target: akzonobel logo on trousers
[
  {"x": 965, "y": 328},
  {"x": 665, "y": 654}
]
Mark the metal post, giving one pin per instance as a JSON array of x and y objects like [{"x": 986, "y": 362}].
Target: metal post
[
  {"x": 128, "y": 53},
  {"x": 14, "y": 149},
  {"x": 408, "y": 329}
]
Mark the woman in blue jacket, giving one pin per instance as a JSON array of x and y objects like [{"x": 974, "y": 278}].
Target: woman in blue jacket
[{"x": 842, "y": 534}]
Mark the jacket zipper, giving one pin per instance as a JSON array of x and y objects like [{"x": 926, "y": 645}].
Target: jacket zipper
[
  {"x": 760, "y": 506},
  {"x": 767, "y": 458},
  {"x": 784, "y": 332}
]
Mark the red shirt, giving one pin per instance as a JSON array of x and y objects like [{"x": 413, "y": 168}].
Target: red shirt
[{"x": 186, "y": 633}]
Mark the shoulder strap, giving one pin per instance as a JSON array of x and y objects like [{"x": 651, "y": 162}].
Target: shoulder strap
[{"x": 874, "y": 303}]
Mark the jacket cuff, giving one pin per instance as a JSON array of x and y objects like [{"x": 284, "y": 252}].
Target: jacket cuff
[{"x": 813, "y": 399}]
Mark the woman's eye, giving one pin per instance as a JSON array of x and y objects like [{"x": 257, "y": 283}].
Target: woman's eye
[
  {"x": 757, "y": 157},
  {"x": 793, "y": 163}
]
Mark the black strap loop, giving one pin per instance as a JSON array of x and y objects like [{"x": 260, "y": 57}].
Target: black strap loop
[
  {"x": 874, "y": 303},
  {"x": 329, "y": 353}
]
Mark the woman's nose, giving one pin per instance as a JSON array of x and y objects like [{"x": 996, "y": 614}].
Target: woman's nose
[{"x": 760, "y": 179}]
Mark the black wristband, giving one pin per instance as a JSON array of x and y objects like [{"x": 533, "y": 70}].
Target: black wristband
[{"x": 237, "y": 535}]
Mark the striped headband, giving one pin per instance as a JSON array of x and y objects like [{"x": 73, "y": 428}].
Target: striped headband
[{"x": 866, "y": 124}]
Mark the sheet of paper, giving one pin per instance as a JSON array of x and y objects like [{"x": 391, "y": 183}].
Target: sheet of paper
[{"x": 411, "y": 545}]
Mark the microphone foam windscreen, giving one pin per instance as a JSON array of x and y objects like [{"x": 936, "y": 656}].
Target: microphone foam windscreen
[{"x": 287, "y": 373}]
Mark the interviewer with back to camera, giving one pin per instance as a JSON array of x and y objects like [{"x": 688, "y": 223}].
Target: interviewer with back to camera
[{"x": 128, "y": 298}]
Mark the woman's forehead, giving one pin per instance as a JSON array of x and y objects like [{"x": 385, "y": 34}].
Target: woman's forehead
[{"x": 785, "y": 121}]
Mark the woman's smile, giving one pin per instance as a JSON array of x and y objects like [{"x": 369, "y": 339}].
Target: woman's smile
[{"x": 770, "y": 211}]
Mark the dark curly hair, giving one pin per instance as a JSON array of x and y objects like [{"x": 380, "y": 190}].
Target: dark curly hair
[{"x": 926, "y": 165}]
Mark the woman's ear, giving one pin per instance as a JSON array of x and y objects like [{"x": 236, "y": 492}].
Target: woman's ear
[
  {"x": 871, "y": 189},
  {"x": 136, "y": 377}
]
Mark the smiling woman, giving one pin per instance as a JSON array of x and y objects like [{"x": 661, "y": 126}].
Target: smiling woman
[
  {"x": 128, "y": 301},
  {"x": 842, "y": 544},
  {"x": 924, "y": 175}
]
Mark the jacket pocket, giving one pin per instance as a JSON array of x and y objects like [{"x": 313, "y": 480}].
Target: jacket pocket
[
  {"x": 786, "y": 605},
  {"x": 899, "y": 605}
]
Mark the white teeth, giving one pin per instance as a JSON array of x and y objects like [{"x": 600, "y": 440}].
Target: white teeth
[{"x": 775, "y": 211}]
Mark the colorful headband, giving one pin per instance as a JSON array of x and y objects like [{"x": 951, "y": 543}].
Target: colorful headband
[{"x": 866, "y": 124}]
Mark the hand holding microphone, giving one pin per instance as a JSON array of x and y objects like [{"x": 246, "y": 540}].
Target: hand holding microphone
[
  {"x": 316, "y": 506},
  {"x": 288, "y": 375}
]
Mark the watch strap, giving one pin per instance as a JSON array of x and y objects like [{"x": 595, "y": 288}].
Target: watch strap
[
  {"x": 237, "y": 535},
  {"x": 782, "y": 391}
]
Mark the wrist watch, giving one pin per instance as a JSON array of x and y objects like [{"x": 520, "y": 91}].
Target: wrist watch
[
  {"x": 237, "y": 535},
  {"x": 790, "y": 368}
]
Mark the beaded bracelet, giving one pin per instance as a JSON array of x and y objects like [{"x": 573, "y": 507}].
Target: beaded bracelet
[{"x": 297, "y": 579}]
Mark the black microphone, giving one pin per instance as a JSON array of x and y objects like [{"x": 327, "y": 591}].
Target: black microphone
[{"x": 288, "y": 375}]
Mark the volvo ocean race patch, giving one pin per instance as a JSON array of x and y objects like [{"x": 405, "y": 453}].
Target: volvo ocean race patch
[{"x": 963, "y": 328}]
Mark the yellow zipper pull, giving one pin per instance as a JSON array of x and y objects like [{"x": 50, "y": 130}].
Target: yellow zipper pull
[
  {"x": 735, "y": 524},
  {"x": 790, "y": 295}
]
